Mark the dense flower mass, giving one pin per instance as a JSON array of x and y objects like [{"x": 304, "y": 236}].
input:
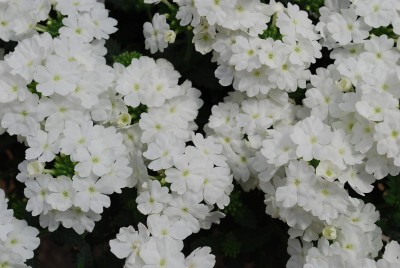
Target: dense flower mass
[
  {"x": 304, "y": 157},
  {"x": 17, "y": 239},
  {"x": 92, "y": 129}
]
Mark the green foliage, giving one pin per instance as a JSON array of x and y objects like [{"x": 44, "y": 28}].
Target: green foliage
[
  {"x": 126, "y": 58},
  {"x": 235, "y": 203},
  {"x": 311, "y": 6},
  {"x": 19, "y": 207},
  {"x": 32, "y": 88},
  {"x": 246, "y": 235},
  {"x": 54, "y": 24},
  {"x": 63, "y": 165},
  {"x": 298, "y": 95},
  {"x": 389, "y": 209},
  {"x": 231, "y": 245},
  {"x": 136, "y": 112},
  {"x": 314, "y": 163},
  {"x": 388, "y": 31},
  {"x": 393, "y": 194},
  {"x": 272, "y": 31},
  {"x": 127, "y": 5},
  {"x": 84, "y": 257}
]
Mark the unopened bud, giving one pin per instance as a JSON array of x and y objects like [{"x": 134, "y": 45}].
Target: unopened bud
[
  {"x": 35, "y": 168},
  {"x": 278, "y": 7},
  {"x": 124, "y": 120},
  {"x": 169, "y": 36},
  {"x": 344, "y": 84},
  {"x": 398, "y": 43},
  {"x": 329, "y": 232}
]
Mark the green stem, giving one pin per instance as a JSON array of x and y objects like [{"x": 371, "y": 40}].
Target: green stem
[
  {"x": 41, "y": 28},
  {"x": 168, "y": 4},
  {"x": 48, "y": 171},
  {"x": 274, "y": 19}
]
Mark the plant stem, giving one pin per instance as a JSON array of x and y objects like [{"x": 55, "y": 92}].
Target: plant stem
[
  {"x": 41, "y": 28},
  {"x": 168, "y": 4}
]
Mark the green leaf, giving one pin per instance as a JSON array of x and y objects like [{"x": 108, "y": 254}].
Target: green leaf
[
  {"x": 127, "y": 57},
  {"x": 84, "y": 258},
  {"x": 231, "y": 245}
]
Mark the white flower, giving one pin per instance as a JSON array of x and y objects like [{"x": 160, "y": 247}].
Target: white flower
[
  {"x": 29, "y": 54},
  {"x": 279, "y": 149},
  {"x": 96, "y": 159},
  {"x": 78, "y": 220},
  {"x": 200, "y": 258},
  {"x": 345, "y": 27},
  {"x": 214, "y": 11},
  {"x": 12, "y": 87},
  {"x": 90, "y": 194},
  {"x": 299, "y": 186},
  {"x": 62, "y": 193},
  {"x": 188, "y": 174},
  {"x": 102, "y": 25},
  {"x": 297, "y": 252},
  {"x": 43, "y": 146},
  {"x": 341, "y": 151},
  {"x": 387, "y": 135},
  {"x": 128, "y": 243},
  {"x": 154, "y": 33},
  {"x": 153, "y": 199},
  {"x": 187, "y": 13},
  {"x": 162, "y": 226},
  {"x": 162, "y": 253},
  {"x": 23, "y": 119},
  {"x": 375, "y": 106},
  {"x": 187, "y": 207},
  {"x": 22, "y": 239},
  {"x": 295, "y": 22},
  {"x": 77, "y": 27},
  {"x": 311, "y": 136},
  {"x": 358, "y": 179},
  {"x": 245, "y": 54},
  {"x": 392, "y": 252},
  {"x": 37, "y": 191},
  {"x": 165, "y": 148},
  {"x": 376, "y": 13},
  {"x": 57, "y": 76},
  {"x": 6, "y": 216}
]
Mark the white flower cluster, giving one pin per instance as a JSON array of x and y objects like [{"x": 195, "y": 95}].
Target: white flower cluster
[
  {"x": 81, "y": 19},
  {"x": 92, "y": 130},
  {"x": 346, "y": 133},
  {"x": 17, "y": 239},
  {"x": 144, "y": 250},
  {"x": 55, "y": 94},
  {"x": 191, "y": 178},
  {"x": 19, "y": 18},
  {"x": 254, "y": 65}
]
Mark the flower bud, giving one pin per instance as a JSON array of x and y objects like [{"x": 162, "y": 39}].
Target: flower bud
[
  {"x": 124, "y": 120},
  {"x": 35, "y": 168},
  {"x": 398, "y": 43},
  {"x": 169, "y": 36},
  {"x": 344, "y": 84},
  {"x": 278, "y": 7},
  {"x": 329, "y": 232}
]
